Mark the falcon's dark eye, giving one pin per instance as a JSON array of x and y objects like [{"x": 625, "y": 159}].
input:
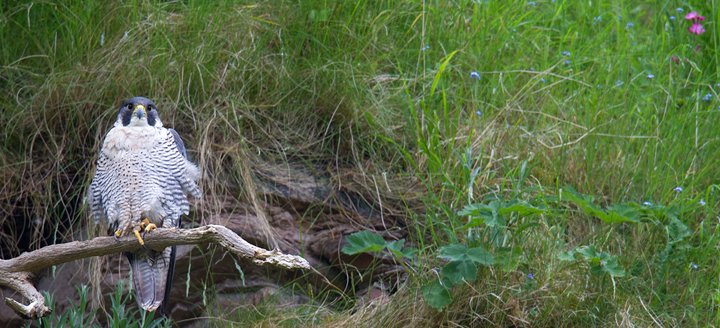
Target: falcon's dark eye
[
  {"x": 129, "y": 106},
  {"x": 150, "y": 108}
]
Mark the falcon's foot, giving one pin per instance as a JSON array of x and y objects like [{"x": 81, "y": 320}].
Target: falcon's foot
[
  {"x": 117, "y": 235},
  {"x": 147, "y": 226},
  {"x": 142, "y": 242}
]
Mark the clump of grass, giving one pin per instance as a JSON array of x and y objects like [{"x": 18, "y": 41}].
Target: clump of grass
[{"x": 79, "y": 316}]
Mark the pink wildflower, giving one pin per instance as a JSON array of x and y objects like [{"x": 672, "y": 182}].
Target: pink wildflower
[
  {"x": 696, "y": 27},
  {"x": 693, "y": 16}
]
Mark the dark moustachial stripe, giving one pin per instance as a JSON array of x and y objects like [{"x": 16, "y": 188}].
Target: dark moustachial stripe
[{"x": 151, "y": 114}]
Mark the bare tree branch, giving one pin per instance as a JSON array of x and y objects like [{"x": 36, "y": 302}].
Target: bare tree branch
[{"x": 18, "y": 273}]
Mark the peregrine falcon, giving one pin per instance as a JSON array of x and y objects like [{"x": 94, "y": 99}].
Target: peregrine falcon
[{"x": 143, "y": 179}]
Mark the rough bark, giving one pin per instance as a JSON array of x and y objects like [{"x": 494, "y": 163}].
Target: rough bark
[{"x": 18, "y": 273}]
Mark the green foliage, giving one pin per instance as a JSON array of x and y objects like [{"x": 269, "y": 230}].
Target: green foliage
[
  {"x": 614, "y": 214},
  {"x": 384, "y": 88},
  {"x": 437, "y": 294},
  {"x": 493, "y": 214},
  {"x": 600, "y": 262},
  {"x": 78, "y": 317},
  {"x": 366, "y": 241}
]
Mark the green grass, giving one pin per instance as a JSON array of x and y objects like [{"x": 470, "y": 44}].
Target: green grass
[{"x": 383, "y": 90}]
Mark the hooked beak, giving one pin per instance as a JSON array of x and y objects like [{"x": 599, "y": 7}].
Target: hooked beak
[{"x": 139, "y": 111}]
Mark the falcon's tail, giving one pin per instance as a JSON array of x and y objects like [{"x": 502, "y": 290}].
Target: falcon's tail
[{"x": 152, "y": 276}]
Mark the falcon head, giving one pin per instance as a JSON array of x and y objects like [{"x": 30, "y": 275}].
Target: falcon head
[{"x": 139, "y": 112}]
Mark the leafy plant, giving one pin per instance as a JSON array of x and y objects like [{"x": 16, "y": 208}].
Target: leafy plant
[
  {"x": 600, "y": 262},
  {"x": 366, "y": 241},
  {"x": 77, "y": 316}
]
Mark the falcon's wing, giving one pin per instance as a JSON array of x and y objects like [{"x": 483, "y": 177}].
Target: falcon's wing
[{"x": 178, "y": 142}]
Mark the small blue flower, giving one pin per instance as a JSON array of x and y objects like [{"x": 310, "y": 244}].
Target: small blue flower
[
  {"x": 702, "y": 202},
  {"x": 425, "y": 48},
  {"x": 650, "y": 76},
  {"x": 567, "y": 62},
  {"x": 619, "y": 17},
  {"x": 678, "y": 189},
  {"x": 566, "y": 53},
  {"x": 629, "y": 25},
  {"x": 707, "y": 97},
  {"x": 531, "y": 4},
  {"x": 619, "y": 83},
  {"x": 447, "y": 259},
  {"x": 672, "y": 18},
  {"x": 474, "y": 74},
  {"x": 694, "y": 266},
  {"x": 647, "y": 203},
  {"x": 530, "y": 275},
  {"x": 680, "y": 10},
  {"x": 478, "y": 113},
  {"x": 542, "y": 79}
]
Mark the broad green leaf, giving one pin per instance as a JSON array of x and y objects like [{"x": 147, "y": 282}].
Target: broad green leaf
[
  {"x": 478, "y": 254},
  {"x": 363, "y": 241},
  {"x": 436, "y": 294},
  {"x": 456, "y": 271},
  {"x": 396, "y": 245},
  {"x": 496, "y": 220},
  {"x": 617, "y": 214},
  {"x": 396, "y": 248},
  {"x": 453, "y": 251},
  {"x": 409, "y": 252},
  {"x": 478, "y": 214},
  {"x": 613, "y": 268},
  {"x": 589, "y": 253},
  {"x": 567, "y": 256},
  {"x": 522, "y": 208},
  {"x": 460, "y": 252}
]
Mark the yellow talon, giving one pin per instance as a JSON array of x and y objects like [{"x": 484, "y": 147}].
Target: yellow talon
[
  {"x": 147, "y": 226},
  {"x": 142, "y": 242}
]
